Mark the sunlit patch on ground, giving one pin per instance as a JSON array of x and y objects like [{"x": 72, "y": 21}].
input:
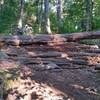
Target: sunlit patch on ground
[{"x": 28, "y": 89}]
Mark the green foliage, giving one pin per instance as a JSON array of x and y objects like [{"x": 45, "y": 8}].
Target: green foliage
[
  {"x": 8, "y": 15},
  {"x": 73, "y": 15},
  {"x": 91, "y": 42},
  {"x": 53, "y": 20},
  {"x": 8, "y": 76}
]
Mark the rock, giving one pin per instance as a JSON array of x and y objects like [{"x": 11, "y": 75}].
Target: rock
[{"x": 52, "y": 66}]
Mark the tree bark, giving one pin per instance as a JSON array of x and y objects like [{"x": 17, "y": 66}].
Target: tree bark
[
  {"x": 47, "y": 20},
  {"x": 83, "y": 16},
  {"x": 46, "y": 39},
  {"x": 39, "y": 14},
  {"x": 20, "y": 20},
  {"x": 88, "y": 15},
  {"x": 59, "y": 14}
]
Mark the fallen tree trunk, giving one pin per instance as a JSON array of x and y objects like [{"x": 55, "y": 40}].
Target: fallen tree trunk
[
  {"x": 58, "y": 61},
  {"x": 83, "y": 35},
  {"x": 55, "y": 54},
  {"x": 45, "y": 39}
]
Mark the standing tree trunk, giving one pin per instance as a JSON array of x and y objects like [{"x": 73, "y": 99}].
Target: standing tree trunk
[
  {"x": 39, "y": 14},
  {"x": 92, "y": 12},
  {"x": 59, "y": 14},
  {"x": 46, "y": 16},
  {"x": 88, "y": 15},
  {"x": 83, "y": 26},
  {"x": 20, "y": 19}
]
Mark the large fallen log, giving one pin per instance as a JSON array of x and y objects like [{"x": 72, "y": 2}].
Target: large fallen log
[
  {"x": 45, "y": 39},
  {"x": 54, "y": 54},
  {"x": 83, "y": 35},
  {"x": 58, "y": 61}
]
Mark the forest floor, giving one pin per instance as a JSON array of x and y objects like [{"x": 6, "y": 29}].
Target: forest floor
[{"x": 66, "y": 71}]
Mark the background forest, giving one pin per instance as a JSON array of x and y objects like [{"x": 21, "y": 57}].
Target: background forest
[{"x": 50, "y": 16}]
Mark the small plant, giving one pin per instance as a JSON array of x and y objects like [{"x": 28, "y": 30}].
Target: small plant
[
  {"x": 7, "y": 79},
  {"x": 91, "y": 42}
]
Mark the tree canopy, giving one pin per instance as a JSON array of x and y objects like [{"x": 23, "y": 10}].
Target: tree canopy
[{"x": 50, "y": 16}]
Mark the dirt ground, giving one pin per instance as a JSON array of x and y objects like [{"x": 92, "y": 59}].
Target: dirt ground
[{"x": 53, "y": 72}]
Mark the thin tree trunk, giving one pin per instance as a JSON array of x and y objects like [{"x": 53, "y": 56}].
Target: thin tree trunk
[
  {"x": 59, "y": 14},
  {"x": 88, "y": 15},
  {"x": 41, "y": 16},
  {"x": 37, "y": 14},
  {"x": 20, "y": 20},
  {"x": 83, "y": 16},
  {"x": 47, "y": 20},
  {"x": 92, "y": 12}
]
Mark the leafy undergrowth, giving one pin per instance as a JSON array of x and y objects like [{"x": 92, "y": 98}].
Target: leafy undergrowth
[
  {"x": 91, "y": 42},
  {"x": 6, "y": 80}
]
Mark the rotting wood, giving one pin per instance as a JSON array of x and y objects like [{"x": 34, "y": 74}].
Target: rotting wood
[
  {"x": 65, "y": 55},
  {"x": 97, "y": 67},
  {"x": 37, "y": 63},
  {"x": 57, "y": 38},
  {"x": 78, "y": 54},
  {"x": 39, "y": 54},
  {"x": 58, "y": 61},
  {"x": 83, "y": 35}
]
